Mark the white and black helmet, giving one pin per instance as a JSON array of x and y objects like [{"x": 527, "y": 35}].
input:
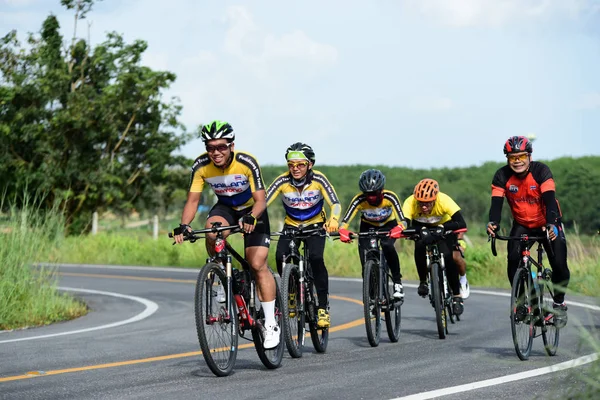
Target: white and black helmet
[
  {"x": 217, "y": 130},
  {"x": 372, "y": 180}
]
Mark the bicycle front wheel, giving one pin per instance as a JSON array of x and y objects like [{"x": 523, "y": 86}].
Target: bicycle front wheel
[
  {"x": 271, "y": 358},
  {"x": 371, "y": 305},
  {"x": 293, "y": 312},
  {"x": 216, "y": 328},
  {"x": 437, "y": 286},
  {"x": 393, "y": 313},
  {"x": 521, "y": 315},
  {"x": 550, "y": 333}
]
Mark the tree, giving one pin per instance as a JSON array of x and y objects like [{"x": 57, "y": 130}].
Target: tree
[{"x": 87, "y": 127}]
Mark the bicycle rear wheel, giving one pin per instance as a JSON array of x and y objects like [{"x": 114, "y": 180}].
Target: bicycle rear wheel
[
  {"x": 437, "y": 286},
  {"x": 271, "y": 358},
  {"x": 293, "y": 312},
  {"x": 550, "y": 333},
  {"x": 217, "y": 330},
  {"x": 393, "y": 313},
  {"x": 521, "y": 316},
  {"x": 318, "y": 336},
  {"x": 371, "y": 305}
]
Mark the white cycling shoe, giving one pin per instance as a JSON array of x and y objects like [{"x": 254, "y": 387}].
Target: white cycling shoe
[{"x": 271, "y": 334}]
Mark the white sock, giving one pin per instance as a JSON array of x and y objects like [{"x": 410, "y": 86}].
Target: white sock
[
  {"x": 463, "y": 279},
  {"x": 269, "y": 309}
]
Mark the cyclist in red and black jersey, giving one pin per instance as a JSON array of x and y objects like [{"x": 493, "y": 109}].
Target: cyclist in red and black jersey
[{"x": 530, "y": 191}]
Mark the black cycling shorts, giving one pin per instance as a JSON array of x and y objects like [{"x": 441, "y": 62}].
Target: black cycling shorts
[{"x": 261, "y": 236}]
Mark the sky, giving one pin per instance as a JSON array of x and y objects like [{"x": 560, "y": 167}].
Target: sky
[{"x": 414, "y": 83}]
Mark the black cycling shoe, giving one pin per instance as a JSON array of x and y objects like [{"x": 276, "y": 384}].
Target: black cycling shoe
[
  {"x": 423, "y": 289},
  {"x": 457, "y": 305},
  {"x": 560, "y": 315}
]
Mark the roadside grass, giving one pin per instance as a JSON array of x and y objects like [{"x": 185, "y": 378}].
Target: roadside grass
[{"x": 29, "y": 296}]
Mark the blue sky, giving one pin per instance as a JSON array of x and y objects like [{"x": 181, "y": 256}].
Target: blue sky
[{"x": 416, "y": 83}]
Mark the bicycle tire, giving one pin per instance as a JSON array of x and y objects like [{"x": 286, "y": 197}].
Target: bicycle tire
[
  {"x": 550, "y": 333},
  {"x": 318, "y": 336},
  {"x": 218, "y": 339},
  {"x": 438, "y": 301},
  {"x": 371, "y": 305},
  {"x": 293, "y": 326},
  {"x": 271, "y": 358},
  {"x": 448, "y": 302},
  {"x": 393, "y": 312},
  {"x": 520, "y": 313}
]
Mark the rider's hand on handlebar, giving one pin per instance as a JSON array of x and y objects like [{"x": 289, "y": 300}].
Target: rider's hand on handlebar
[
  {"x": 332, "y": 225},
  {"x": 396, "y": 232},
  {"x": 180, "y": 231},
  {"x": 345, "y": 235},
  {"x": 492, "y": 227},
  {"x": 552, "y": 231},
  {"x": 247, "y": 223}
]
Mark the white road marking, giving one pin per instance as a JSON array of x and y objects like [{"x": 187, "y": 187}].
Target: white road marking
[{"x": 150, "y": 309}]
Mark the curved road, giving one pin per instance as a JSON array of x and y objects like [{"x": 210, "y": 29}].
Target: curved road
[{"x": 139, "y": 342}]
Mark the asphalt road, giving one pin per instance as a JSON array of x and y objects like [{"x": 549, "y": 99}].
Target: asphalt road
[{"x": 139, "y": 342}]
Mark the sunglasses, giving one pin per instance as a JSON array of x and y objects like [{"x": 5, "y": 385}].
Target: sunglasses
[
  {"x": 292, "y": 165},
  {"x": 517, "y": 157},
  {"x": 220, "y": 148},
  {"x": 425, "y": 203}
]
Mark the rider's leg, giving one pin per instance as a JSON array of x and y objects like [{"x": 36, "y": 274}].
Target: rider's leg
[
  {"x": 224, "y": 215},
  {"x": 391, "y": 256},
  {"x": 560, "y": 269},
  {"x": 512, "y": 248},
  {"x": 283, "y": 246},
  {"x": 451, "y": 271},
  {"x": 316, "y": 248},
  {"x": 421, "y": 263}
]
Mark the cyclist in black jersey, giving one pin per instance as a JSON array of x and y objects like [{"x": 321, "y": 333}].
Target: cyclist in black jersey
[{"x": 236, "y": 179}]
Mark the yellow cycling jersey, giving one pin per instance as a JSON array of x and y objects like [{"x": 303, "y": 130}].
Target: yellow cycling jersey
[
  {"x": 379, "y": 215},
  {"x": 305, "y": 205},
  {"x": 442, "y": 211},
  {"x": 233, "y": 185}
]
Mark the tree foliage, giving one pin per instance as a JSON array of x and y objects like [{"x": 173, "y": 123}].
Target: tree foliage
[
  {"x": 577, "y": 186},
  {"x": 87, "y": 127}
]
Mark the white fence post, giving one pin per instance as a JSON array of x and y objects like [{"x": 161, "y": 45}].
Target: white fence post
[
  {"x": 95, "y": 223},
  {"x": 155, "y": 227}
]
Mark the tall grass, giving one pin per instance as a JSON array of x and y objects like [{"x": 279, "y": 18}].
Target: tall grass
[{"x": 28, "y": 295}]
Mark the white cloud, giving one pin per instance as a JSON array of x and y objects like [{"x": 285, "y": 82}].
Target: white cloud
[
  {"x": 589, "y": 101},
  {"x": 462, "y": 13},
  {"x": 431, "y": 103}
]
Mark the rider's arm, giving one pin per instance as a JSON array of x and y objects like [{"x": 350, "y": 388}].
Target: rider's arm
[
  {"x": 351, "y": 211},
  {"x": 542, "y": 174},
  {"x": 260, "y": 203},
  {"x": 275, "y": 187},
  {"x": 498, "y": 193},
  {"x": 396, "y": 207},
  {"x": 457, "y": 222},
  {"x": 190, "y": 208},
  {"x": 330, "y": 195},
  {"x": 552, "y": 212}
]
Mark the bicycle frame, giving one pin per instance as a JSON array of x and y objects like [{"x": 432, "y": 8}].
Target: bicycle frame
[{"x": 374, "y": 251}]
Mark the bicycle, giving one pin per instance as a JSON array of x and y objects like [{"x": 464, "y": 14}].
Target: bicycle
[
  {"x": 378, "y": 287},
  {"x": 531, "y": 298},
  {"x": 440, "y": 293},
  {"x": 219, "y": 323},
  {"x": 298, "y": 293}
]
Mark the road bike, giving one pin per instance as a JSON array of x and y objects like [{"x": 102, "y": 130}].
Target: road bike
[
  {"x": 440, "y": 293},
  {"x": 299, "y": 294},
  {"x": 531, "y": 298},
  {"x": 220, "y": 321}
]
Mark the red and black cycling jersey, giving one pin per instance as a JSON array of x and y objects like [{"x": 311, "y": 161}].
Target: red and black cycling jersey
[{"x": 531, "y": 198}]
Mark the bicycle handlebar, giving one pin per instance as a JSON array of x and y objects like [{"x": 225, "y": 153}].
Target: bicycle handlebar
[
  {"x": 192, "y": 235},
  {"x": 523, "y": 238},
  {"x": 415, "y": 233},
  {"x": 301, "y": 231}
]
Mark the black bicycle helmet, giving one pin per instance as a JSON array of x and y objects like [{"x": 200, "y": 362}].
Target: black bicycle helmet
[
  {"x": 372, "y": 180},
  {"x": 300, "y": 150}
]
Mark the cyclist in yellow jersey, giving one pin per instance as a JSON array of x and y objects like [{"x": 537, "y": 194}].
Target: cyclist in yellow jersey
[
  {"x": 303, "y": 192},
  {"x": 427, "y": 207},
  {"x": 381, "y": 209},
  {"x": 235, "y": 177}
]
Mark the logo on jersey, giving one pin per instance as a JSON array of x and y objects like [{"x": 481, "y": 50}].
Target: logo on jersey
[
  {"x": 533, "y": 187},
  {"x": 513, "y": 188},
  {"x": 377, "y": 214}
]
